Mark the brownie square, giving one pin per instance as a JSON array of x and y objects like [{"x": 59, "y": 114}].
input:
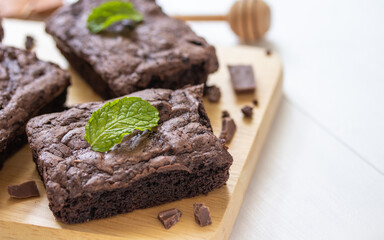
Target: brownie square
[
  {"x": 28, "y": 87},
  {"x": 160, "y": 52},
  {"x": 181, "y": 158}
]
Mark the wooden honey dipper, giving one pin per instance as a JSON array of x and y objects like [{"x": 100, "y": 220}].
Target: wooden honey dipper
[{"x": 249, "y": 19}]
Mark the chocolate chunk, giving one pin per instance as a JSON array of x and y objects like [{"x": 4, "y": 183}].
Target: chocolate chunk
[
  {"x": 1, "y": 31},
  {"x": 29, "y": 43},
  {"x": 268, "y": 52},
  {"x": 169, "y": 217},
  {"x": 255, "y": 102},
  {"x": 202, "y": 214},
  {"x": 228, "y": 129},
  {"x": 247, "y": 111},
  {"x": 213, "y": 93},
  {"x": 224, "y": 114},
  {"x": 24, "y": 190},
  {"x": 242, "y": 78}
]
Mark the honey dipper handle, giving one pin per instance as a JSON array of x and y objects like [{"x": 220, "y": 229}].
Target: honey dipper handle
[{"x": 201, "y": 18}]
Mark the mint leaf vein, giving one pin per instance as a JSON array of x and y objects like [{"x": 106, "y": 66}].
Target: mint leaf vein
[{"x": 109, "y": 124}]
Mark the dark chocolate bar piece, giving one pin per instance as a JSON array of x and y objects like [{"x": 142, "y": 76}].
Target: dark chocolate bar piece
[
  {"x": 247, "y": 111},
  {"x": 169, "y": 217},
  {"x": 24, "y": 190},
  {"x": 202, "y": 214},
  {"x": 213, "y": 93},
  {"x": 29, "y": 43},
  {"x": 228, "y": 129},
  {"x": 1, "y": 31},
  {"x": 224, "y": 114},
  {"x": 242, "y": 78}
]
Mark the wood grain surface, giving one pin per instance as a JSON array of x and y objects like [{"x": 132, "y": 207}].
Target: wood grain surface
[{"x": 32, "y": 219}]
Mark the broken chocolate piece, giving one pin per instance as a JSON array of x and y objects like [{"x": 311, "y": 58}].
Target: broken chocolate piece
[
  {"x": 169, "y": 217},
  {"x": 1, "y": 31},
  {"x": 255, "y": 102},
  {"x": 228, "y": 129},
  {"x": 224, "y": 114},
  {"x": 24, "y": 190},
  {"x": 242, "y": 78},
  {"x": 202, "y": 214},
  {"x": 213, "y": 93},
  {"x": 29, "y": 43},
  {"x": 247, "y": 111}
]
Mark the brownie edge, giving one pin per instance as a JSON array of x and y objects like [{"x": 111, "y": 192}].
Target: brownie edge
[{"x": 181, "y": 158}]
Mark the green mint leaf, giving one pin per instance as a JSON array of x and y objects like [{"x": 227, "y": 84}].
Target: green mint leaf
[
  {"x": 109, "y": 124},
  {"x": 108, "y": 13}
]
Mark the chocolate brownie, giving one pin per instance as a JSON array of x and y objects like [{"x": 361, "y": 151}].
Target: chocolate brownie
[
  {"x": 181, "y": 158},
  {"x": 160, "y": 52},
  {"x": 28, "y": 87}
]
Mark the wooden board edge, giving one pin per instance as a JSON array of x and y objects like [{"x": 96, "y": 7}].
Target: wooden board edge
[{"x": 230, "y": 216}]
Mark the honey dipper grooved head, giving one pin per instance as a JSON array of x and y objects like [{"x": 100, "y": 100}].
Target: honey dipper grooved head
[{"x": 250, "y": 19}]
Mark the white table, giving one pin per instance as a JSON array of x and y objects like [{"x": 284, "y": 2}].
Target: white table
[{"x": 321, "y": 173}]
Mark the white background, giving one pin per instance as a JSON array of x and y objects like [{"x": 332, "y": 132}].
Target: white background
[{"x": 321, "y": 173}]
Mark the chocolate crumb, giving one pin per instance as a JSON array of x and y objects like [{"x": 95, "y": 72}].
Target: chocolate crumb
[
  {"x": 169, "y": 217},
  {"x": 268, "y": 52},
  {"x": 224, "y": 114},
  {"x": 213, "y": 93},
  {"x": 255, "y": 102},
  {"x": 228, "y": 129},
  {"x": 247, "y": 111},
  {"x": 1, "y": 31},
  {"x": 29, "y": 43},
  {"x": 202, "y": 214},
  {"x": 24, "y": 190},
  {"x": 242, "y": 78}
]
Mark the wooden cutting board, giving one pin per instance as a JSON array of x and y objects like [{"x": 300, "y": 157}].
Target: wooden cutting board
[{"x": 32, "y": 219}]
